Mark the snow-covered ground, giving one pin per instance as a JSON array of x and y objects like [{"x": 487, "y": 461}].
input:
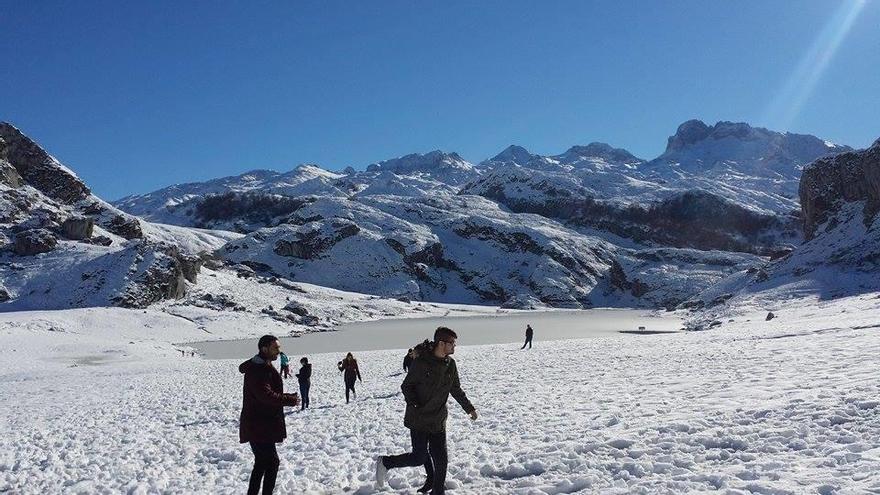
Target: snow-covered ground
[{"x": 790, "y": 405}]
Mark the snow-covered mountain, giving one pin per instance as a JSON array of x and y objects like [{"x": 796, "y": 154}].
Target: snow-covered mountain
[
  {"x": 175, "y": 204},
  {"x": 840, "y": 198},
  {"x": 65, "y": 247},
  {"x": 755, "y": 167},
  {"x": 446, "y": 247}
]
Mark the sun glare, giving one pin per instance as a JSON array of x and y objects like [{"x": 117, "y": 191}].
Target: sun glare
[{"x": 791, "y": 98}]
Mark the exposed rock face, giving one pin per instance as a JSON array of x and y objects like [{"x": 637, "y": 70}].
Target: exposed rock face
[
  {"x": 688, "y": 133},
  {"x": 309, "y": 245},
  {"x": 190, "y": 265},
  {"x": 38, "y": 168},
  {"x": 159, "y": 276},
  {"x": 8, "y": 174},
  {"x": 829, "y": 182},
  {"x": 77, "y": 228},
  {"x": 34, "y": 241},
  {"x": 692, "y": 219},
  {"x": 124, "y": 226}
]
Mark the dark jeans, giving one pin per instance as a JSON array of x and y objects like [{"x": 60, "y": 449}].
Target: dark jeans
[
  {"x": 265, "y": 468},
  {"x": 435, "y": 463},
  {"x": 527, "y": 342},
  {"x": 304, "y": 394},
  {"x": 349, "y": 387}
]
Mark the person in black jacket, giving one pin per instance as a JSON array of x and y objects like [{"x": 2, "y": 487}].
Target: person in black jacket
[
  {"x": 305, "y": 381},
  {"x": 529, "y": 334},
  {"x": 432, "y": 377},
  {"x": 262, "y": 413},
  {"x": 349, "y": 366}
]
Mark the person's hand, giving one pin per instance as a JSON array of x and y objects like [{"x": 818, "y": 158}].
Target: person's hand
[{"x": 474, "y": 415}]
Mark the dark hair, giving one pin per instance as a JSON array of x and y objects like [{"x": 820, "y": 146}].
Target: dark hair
[
  {"x": 443, "y": 333},
  {"x": 266, "y": 341},
  {"x": 304, "y": 360}
]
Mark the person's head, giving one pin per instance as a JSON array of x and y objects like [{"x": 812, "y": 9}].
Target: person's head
[
  {"x": 269, "y": 347},
  {"x": 304, "y": 360},
  {"x": 444, "y": 341},
  {"x": 349, "y": 357}
]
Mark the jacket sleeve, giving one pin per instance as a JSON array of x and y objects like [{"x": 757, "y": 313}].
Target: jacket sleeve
[
  {"x": 358, "y": 369},
  {"x": 458, "y": 394},
  {"x": 307, "y": 373},
  {"x": 262, "y": 391},
  {"x": 410, "y": 384}
]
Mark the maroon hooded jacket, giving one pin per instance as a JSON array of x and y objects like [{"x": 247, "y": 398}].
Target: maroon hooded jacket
[{"x": 263, "y": 401}]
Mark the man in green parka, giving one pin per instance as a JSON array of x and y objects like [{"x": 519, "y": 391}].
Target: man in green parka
[{"x": 431, "y": 378}]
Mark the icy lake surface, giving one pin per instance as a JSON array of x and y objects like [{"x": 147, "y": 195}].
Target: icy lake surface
[{"x": 472, "y": 330}]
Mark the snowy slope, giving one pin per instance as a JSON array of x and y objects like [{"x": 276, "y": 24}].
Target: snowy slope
[
  {"x": 168, "y": 205},
  {"x": 840, "y": 197},
  {"x": 783, "y": 407}
]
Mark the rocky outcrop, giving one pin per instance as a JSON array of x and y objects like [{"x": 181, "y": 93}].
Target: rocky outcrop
[
  {"x": 157, "y": 275},
  {"x": 8, "y": 174},
  {"x": 311, "y": 244},
  {"x": 829, "y": 182},
  {"x": 190, "y": 265},
  {"x": 34, "y": 241},
  {"x": 124, "y": 226},
  {"x": 77, "y": 228},
  {"x": 38, "y": 169}
]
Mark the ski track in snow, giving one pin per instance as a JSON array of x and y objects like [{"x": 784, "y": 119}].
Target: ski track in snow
[{"x": 787, "y": 406}]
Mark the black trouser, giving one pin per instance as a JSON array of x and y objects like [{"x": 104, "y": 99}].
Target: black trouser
[
  {"x": 304, "y": 394},
  {"x": 528, "y": 341},
  {"x": 265, "y": 468},
  {"x": 435, "y": 463},
  {"x": 349, "y": 387}
]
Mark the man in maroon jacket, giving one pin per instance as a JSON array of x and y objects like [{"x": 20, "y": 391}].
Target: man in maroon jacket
[{"x": 262, "y": 413}]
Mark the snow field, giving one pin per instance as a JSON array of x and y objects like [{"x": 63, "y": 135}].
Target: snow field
[{"x": 786, "y": 406}]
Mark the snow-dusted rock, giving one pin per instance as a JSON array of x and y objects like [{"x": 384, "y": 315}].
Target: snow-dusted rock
[
  {"x": 38, "y": 168},
  {"x": 77, "y": 227},
  {"x": 34, "y": 241},
  {"x": 830, "y": 182}
]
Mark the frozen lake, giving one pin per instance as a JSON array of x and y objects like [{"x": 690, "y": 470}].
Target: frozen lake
[{"x": 472, "y": 330}]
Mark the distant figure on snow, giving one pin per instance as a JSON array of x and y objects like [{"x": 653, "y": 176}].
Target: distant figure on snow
[
  {"x": 529, "y": 334},
  {"x": 262, "y": 413},
  {"x": 305, "y": 381},
  {"x": 432, "y": 377},
  {"x": 408, "y": 359},
  {"x": 349, "y": 366},
  {"x": 285, "y": 366}
]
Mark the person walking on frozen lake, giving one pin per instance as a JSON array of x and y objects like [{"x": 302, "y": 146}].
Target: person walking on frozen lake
[
  {"x": 262, "y": 413},
  {"x": 285, "y": 366},
  {"x": 349, "y": 367},
  {"x": 529, "y": 334},
  {"x": 305, "y": 381},
  {"x": 432, "y": 377}
]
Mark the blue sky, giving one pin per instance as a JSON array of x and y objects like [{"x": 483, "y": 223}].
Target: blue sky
[{"x": 135, "y": 96}]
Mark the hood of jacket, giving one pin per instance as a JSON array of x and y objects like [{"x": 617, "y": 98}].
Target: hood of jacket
[{"x": 254, "y": 361}]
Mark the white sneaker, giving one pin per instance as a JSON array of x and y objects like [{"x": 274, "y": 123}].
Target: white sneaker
[{"x": 381, "y": 473}]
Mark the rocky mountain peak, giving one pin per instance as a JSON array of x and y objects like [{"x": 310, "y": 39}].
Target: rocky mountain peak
[
  {"x": 601, "y": 150},
  {"x": 417, "y": 162},
  {"x": 39, "y": 169},
  {"x": 513, "y": 153},
  {"x": 688, "y": 133}
]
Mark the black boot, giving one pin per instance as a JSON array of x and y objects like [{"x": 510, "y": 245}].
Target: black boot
[{"x": 427, "y": 486}]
